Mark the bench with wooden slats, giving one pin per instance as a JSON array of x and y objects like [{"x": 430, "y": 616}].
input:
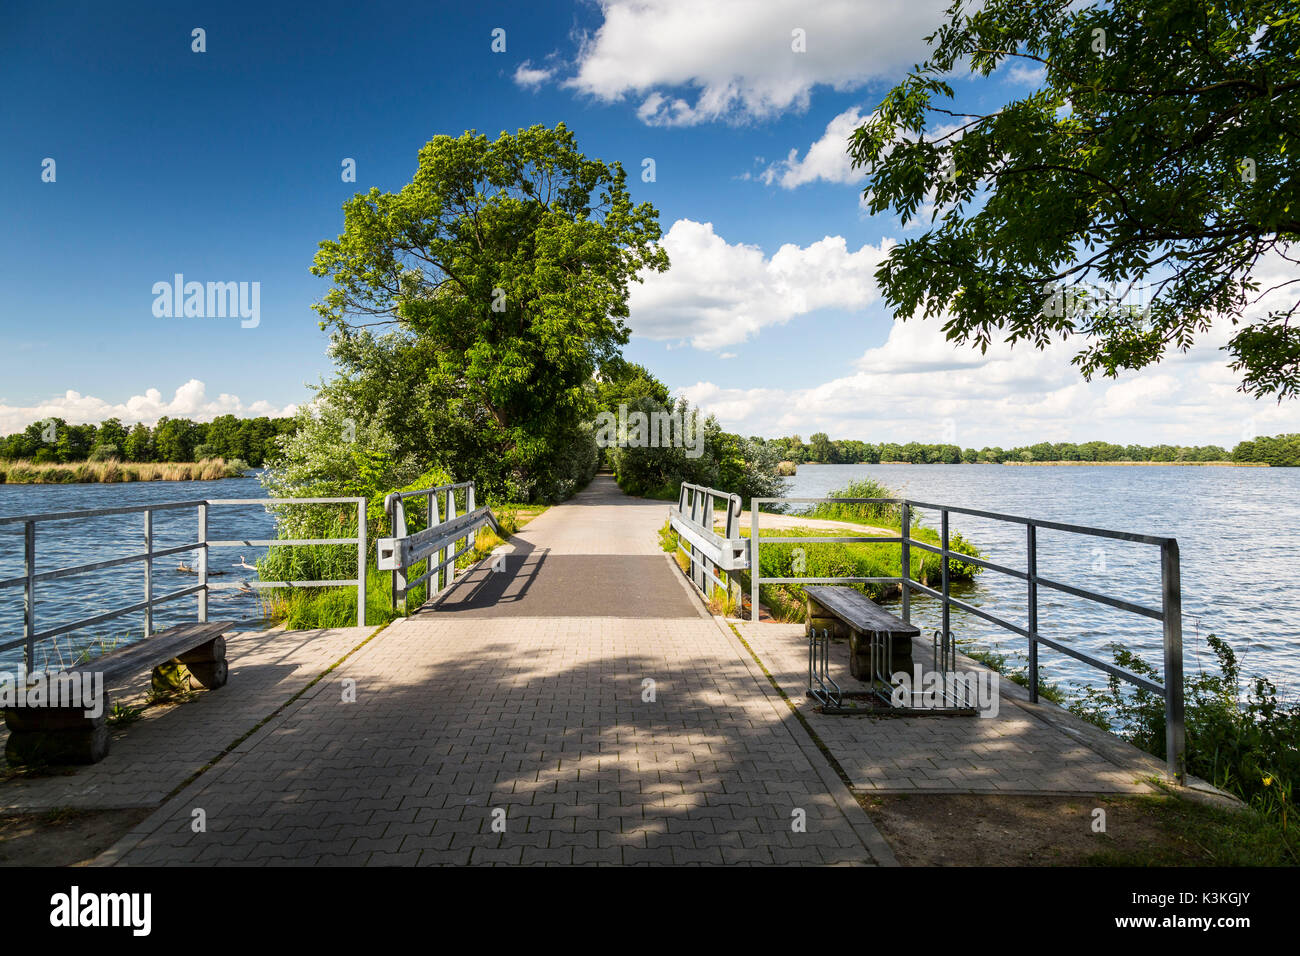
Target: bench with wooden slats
[
  {"x": 53, "y": 735},
  {"x": 850, "y": 613}
]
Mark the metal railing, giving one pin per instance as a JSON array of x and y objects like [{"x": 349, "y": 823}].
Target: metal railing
[
  {"x": 1170, "y": 613},
  {"x": 31, "y": 576},
  {"x": 443, "y": 530},
  {"x": 707, "y": 551}
]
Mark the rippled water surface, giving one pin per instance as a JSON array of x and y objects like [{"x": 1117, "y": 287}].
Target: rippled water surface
[
  {"x": 62, "y": 544},
  {"x": 1236, "y": 530}
]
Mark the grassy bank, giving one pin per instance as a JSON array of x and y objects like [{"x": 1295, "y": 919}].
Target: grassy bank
[
  {"x": 305, "y": 608},
  {"x": 31, "y": 473},
  {"x": 787, "y": 602}
]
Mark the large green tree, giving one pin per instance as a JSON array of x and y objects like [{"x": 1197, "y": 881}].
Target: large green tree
[
  {"x": 1128, "y": 200},
  {"x": 508, "y": 261}
]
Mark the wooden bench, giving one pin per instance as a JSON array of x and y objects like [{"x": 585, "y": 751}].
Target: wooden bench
[
  {"x": 53, "y": 735},
  {"x": 849, "y": 613}
]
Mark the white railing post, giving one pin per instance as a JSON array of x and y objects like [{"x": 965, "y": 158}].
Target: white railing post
[
  {"x": 203, "y": 563},
  {"x": 1031, "y": 549},
  {"x": 361, "y": 562},
  {"x": 148, "y": 572},
  {"x": 943, "y": 575},
  {"x": 397, "y": 521},
  {"x": 450, "y": 549},
  {"x": 753, "y": 560},
  {"x": 469, "y": 506},
  {"x": 906, "y": 561},
  {"x": 29, "y": 594}
]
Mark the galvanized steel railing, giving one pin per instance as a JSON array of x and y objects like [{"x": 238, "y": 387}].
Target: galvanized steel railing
[
  {"x": 1170, "y": 613},
  {"x": 693, "y": 520},
  {"x": 31, "y": 576},
  {"x": 442, "y": 532}
]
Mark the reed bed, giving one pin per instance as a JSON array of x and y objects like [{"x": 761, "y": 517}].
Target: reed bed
[{"x": 33, "y": 473}]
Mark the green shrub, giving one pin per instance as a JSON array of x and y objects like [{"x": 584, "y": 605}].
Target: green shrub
[
  {"x": 883, "y": 515},
  {"x": 1244, "y": 744}
]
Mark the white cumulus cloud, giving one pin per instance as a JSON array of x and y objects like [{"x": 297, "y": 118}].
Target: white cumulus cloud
[
  {"x": 188, "y": 401},
  {"x": 917, "y": 384},
  {"x": 827, "y": 159},
  {"x": 683, "y": 62},
  {"x": 529, "y": 77},
  {"x": 717, "y": 293}
]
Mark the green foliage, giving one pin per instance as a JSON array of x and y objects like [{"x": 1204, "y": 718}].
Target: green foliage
[
  {"x": 1019, "y": 675},
  {"x": 711, "y": 457},
  {"x": 1157, "y": 154},
  {"x": 1279, "y": 451},
  {"x": 889, "y": 516},
  {"x": 504, "y": 266},
  {"x": 122, "y": 714},
  {"x": 250, "y": 440},
  {"x": 1244, "y": 744},
  {"x": 309, "y": 608},
  {"x": 1282, "y": 450},
  {"x": 879, "y": 515},
  {"x": 667, "y": 538}
]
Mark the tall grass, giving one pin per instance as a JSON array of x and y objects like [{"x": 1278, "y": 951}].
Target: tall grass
[
  {"x": 308, "y": 608},
  {"x": 848, "y": 560},
  {"x": 113, "y": 471},
  {"x": 881, "y": 515}
]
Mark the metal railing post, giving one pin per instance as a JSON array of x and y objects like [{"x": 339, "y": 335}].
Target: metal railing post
[
  {"x": 361, "y": 562},
  {"x": 397, "y": 522},
  {"x": 203, "y": 563},
  {"x": 754, "y": 564},
  {"x": 906, "y": 562},
  {"x": 448, "y": 553},
  {"x": 1031, "y": 567},
  {"x": 148, "y": 572},
  {"x": 29, "y": 595},
  {"x": 433, "y": 518},
  {"x": 943, "y": 574},
  {"x": 1172, "y": 606},
  {"x": 703, "y": 570},
  {"x": 469, "y": 506}
]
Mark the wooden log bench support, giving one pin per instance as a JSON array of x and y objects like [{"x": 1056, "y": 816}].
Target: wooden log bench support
[
  {"x": 850, "y": 613},
  {"x": 61, "y": 735}
]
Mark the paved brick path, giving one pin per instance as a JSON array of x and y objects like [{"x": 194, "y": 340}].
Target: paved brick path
[
  {"x": 522, "y": 730},
  {"x": 153, "y": 756}
]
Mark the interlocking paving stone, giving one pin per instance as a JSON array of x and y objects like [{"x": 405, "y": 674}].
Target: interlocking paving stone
[
  {"x": 1026, "y": 748},
  {"x": 533, "y": 721},
  {"x": 152, "y": 756}
]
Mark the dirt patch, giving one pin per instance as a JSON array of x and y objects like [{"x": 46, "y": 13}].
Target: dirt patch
[
  {"x": 63, "y": 837},
  {"x": 1005, "y": 830}
]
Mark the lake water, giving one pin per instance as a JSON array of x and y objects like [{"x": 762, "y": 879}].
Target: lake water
[
  {"x": 65, "y": 543},
  {"x": 1236, "y": 530}
]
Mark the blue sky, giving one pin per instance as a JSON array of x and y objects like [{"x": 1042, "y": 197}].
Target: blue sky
[{"x": 225, "y": 166}]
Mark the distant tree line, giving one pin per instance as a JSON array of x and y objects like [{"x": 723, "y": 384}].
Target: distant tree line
[
  {"x": 1279, "y": 451},
  {"x": 53, "y": 440}
]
